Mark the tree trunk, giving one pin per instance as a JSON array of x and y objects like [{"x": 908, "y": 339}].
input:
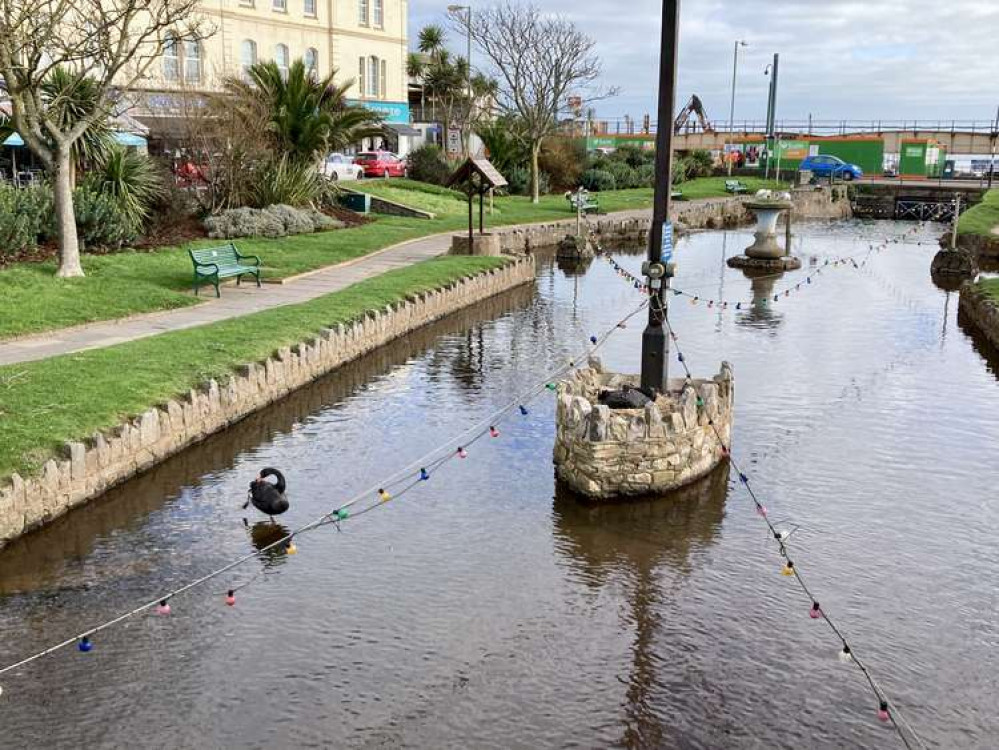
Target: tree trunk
[
  {"x": 535, "y": 176},
  {"x": 69, "y": 244}
]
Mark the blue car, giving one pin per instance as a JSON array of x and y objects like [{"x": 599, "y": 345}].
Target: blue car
[{"x": 826, "y": 165}]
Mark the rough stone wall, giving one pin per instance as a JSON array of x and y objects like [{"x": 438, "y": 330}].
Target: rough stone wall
[
  {"x": 87, "y": 469},
  {"x": 605, "y": 453},
  {"x": 983, "y": 248},
  {"x": 982, "y": 309}
]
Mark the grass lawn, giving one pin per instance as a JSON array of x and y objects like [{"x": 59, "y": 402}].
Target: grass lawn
[
  {"x": 983, "y": 218},
  {"x": 991, "y": 286},
  {"x": 45, "y": 403},
  {"x": 123, "y": 284}
]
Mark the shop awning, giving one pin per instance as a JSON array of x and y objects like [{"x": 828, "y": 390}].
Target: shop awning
[
  {"x": 125, "y": 139},
  {"x": 401, "y": 129}
]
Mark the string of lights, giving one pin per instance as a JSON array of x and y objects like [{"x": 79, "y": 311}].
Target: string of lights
[
  {"x": 887, "y": 710},
  {"x": 406, "y": 479}
]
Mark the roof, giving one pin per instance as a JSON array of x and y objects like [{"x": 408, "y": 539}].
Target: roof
[
  {"x": 488, "y": 176},
  {"x": 402, "y": 129}
]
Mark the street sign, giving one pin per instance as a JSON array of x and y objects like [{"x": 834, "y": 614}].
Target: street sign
[
  {"x": 454, "y": 140},
  {"x": 667, "y": 247}
]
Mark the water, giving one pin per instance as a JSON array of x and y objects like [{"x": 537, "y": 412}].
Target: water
[{"x": 488, "y": 610}]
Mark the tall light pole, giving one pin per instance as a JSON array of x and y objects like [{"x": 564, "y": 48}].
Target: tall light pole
[
  {"x": 468, "y": 71},
  {"x": 655, "y": 347},
  {"x": 731, "y": 107}
]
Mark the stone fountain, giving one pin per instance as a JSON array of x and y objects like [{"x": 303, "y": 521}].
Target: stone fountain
[{"x": 765, "y": 254}]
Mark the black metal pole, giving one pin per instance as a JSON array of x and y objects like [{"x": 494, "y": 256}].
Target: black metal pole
[
  {"x": 995, "y": 137},
  {"x": 655, "y": 347}
]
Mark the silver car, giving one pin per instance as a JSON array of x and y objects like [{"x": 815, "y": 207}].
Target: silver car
[{"x": 341, "y": 167}]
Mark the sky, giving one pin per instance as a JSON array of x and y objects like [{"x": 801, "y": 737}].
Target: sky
[{"x": 839, "y": 59}]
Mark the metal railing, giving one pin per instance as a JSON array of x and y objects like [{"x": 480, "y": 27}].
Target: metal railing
[{"x": 628, "y": 126}]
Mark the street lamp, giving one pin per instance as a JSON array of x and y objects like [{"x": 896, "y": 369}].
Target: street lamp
[
  {"x": 731, "y": 108},
  {"x": 468, "y": 61}
]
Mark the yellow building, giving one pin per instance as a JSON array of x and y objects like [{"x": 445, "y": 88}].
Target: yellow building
[{"x": 363, "y": 40}]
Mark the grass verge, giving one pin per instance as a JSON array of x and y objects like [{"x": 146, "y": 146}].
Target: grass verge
[
  {"x": 983, "y": 218},
  {"x": 45, "y": 403},
  {"x": 991, "y": 287}
]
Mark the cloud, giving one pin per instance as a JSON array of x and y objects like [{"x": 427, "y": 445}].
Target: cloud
[{"x": 839, "y": 59}]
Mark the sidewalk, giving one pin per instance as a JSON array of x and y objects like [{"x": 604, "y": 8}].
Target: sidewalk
[{"x": 235, "y": 301}]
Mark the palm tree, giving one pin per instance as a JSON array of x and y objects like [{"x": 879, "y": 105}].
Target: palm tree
[
  {"x": 415, "y": 67},
  {"x": 70, "y": 98},
  {"x": 431, "y": 40},
  {"x": 303, "y": 117}
]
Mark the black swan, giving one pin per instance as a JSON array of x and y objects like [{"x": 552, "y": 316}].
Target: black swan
[{"x": 266, "y": 497}]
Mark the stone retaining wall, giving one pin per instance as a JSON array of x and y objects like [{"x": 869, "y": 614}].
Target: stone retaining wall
[
  {"x": 89, "y": 468},
  {"x": 982, "y": 247},
  {"x": 982, "y": 310},
  {"x": 605, "y": 453}
]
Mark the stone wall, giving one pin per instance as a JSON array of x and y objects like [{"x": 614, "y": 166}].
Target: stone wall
[
  {"x": 982, "y": 310},
  {"x": 88, "y": 468},
  {"x": 605, "y": 453},
  {"x": 982, "y": 247}
]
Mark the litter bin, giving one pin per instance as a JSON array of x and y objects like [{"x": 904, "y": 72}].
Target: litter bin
[
  {"x": 359, "y": 202},
  {"x": 948, "y": 170}
]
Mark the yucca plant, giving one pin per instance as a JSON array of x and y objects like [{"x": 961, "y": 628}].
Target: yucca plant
[
  {"x": 285, "y": 180},
  {"x": 132, "y": 179}
]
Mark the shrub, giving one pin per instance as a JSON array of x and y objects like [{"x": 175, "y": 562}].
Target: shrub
[
  {"x": 273, "y": 221},
  {"x": 428, "y": 164},
  {"x": 101, "y": 222},
  {"x": 519, "y": 180},
  {"x": 681, "y": 168},
  {"x": 634, "y": 156},
  {"x": 24, "y": 217},
  {"x": 597, "y": 180},
  {"x": 645, "y": 175},
  {"x": 132, "y": 179},
  {"x": 701, "y": 164},
  {"x": 562, "y": 160},
  {"x": 285, "y": 181},
  {"x": 624, "y": 175}
]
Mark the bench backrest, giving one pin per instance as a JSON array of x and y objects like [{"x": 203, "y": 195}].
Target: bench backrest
[
  {"x": 732, "y": 183},
  {"x": 223, "y": 256}
]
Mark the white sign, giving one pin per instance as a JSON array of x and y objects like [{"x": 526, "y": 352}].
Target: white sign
[
  {"x": 667, "y": 246},
  {"x": 454, "y": 140}
]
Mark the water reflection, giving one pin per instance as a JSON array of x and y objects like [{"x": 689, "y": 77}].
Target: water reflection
[
  {"x": 761, "y": 313},
  {"x": 573, "y": 267},
  {"x": 988, "y": 351},
  {"x": 266, "y": 534},
  {"x": 633, "y": 542}
]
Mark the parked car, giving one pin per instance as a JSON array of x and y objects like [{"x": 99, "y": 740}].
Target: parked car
[
  {"x": 381, "y": 164},
  {"x": 341, "y": 167},
  {"x": 826, "y": 165}
]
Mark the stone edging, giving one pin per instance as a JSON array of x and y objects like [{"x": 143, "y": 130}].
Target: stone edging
[
  {"x": 88, "y": 469},
  {"x": 982, "y": 309}
]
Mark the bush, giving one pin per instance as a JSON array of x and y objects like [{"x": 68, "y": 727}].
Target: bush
[
  {"x": 634, "y": 156},
  {"x": 624, "y": 175},
  {"x": 285, "y": 181},
  {"x": 428, "y": 164},
  {"x": 597, "y": 180},
  {"x": 563, "y": 161},
  {"x": 101, "y": 222},
  {"x": 132, "y": 179},
  {"x": 701, "y": 164},
  {"x": 24, "y": 217},
  {"x": 681, "y": 169},
  {"x": 645, "y": 175},
  {"x": 519, "y": 180},
  {"x": 273, "y": 221}
]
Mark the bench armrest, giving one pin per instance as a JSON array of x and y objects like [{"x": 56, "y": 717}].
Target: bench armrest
[
  {"x": 240, "y": 256},
  {"x": 211, "y": 266}
]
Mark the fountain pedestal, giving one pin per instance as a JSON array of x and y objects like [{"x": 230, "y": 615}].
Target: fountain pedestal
[
  {"x": 765, "y": 253},
  {"x": 606, "y": 454}
]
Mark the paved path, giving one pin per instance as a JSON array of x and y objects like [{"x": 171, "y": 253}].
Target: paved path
[{"x": 234, "y": 303}]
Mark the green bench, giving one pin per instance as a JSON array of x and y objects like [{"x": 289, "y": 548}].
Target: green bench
[
  {"x": 212, "y": 264},
  {"x": 734, "y": 186},
  {"x": 586, "y": 204}
]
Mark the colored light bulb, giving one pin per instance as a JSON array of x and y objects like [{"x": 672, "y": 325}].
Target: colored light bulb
[
  {"x": 291, "y": 549},
  {"x": 711, "y": 303},
  {"x": 815, "y": 612},
  {"x": 550, "y": 386},
  {"x": 677, "y": 292},
  {"x": 761, "y": 510},
  {"x": 622, "y": 325},
  {"x": 808, "y": 280},
  {"x": 694, "y": 300},
  {"x": 85, "y": 644},
  {"x": 679, "y": 356},
  {"x": 493, "y": 432},
  {"x": 776, "y": 297},
  {"x": 637, "y": 285},
  {"x": 788, "y": 569},
  {"x": 523, "y": 410},
  {"x": 846, "y": 655},
  {"x": 384, "y": 496},
  {"x": 424, "y": 475},
  {"x": 230, "y": 598},
  {"x": 883, "y": 714},
  {"x": 593, "y": 339},
  {"x": 743, "y": 478},
  {"x": 738, "y": 305},
  {"x": 342, "y": 514},
  {"x": 163, "y": 608},
  {"x": 462, "y": 453},
  {"x": 700, "y": 401}
]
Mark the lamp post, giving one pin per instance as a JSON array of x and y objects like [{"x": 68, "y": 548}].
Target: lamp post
[
  {"x": 655, "y": 347},
  {"x": 468, "y": 71},
  {"x": 731, "y": 107}
]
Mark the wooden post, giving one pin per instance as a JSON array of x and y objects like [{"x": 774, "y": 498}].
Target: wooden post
[
  {"x": 482, "y": 206},
  {"x": 471, "y": 223}
]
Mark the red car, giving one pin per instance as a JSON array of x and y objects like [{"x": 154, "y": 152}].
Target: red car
[{"x": 380, "y": 164}]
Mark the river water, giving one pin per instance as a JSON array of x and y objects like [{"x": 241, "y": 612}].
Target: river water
[{"x": 486, "y": 609}]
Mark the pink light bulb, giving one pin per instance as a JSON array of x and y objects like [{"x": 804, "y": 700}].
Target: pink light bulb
[
  {"x": 883, "y": 711},
  {"x": 761, "y": 510},
  {"x": 230, "y": 598},
  {"x": 462, "y": 453},
  {"x": 815, "y": 612},
  {"x": 493, "y": 432},
  {"x": 163, "y": 608}
]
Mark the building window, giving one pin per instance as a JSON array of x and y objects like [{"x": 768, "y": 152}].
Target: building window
[
  {"x": 373, "y": 75},
  {"x": 248, "y": 54},
  {"x": 281, "y": 58},
  {"x": 310, "y": 8},
  {"x": 362, "y": 12},
  {"x": 280, "y": 5},
  {"x": 192, "y": 61},
  {"x": 379, "y": 13},
  {"x": 362, "y": 64},
  {"x": 171, "y": 58},
  {"x": 312, "y": 63},
  {"x": 384, "y": 81}
]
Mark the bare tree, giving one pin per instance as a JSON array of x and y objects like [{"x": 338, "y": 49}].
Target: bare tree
[
  {"x": 539, "y": 61},
  {"x": 110, "y": 44}
]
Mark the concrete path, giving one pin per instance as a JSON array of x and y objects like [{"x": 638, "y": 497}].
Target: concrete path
[{"x": 235, "y": 301}]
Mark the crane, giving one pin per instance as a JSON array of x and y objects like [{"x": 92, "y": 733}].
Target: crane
[{"x": 693, "y": 107}]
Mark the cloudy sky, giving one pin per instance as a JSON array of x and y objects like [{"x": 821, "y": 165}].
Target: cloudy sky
[{"x": 839, "y": 59}]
